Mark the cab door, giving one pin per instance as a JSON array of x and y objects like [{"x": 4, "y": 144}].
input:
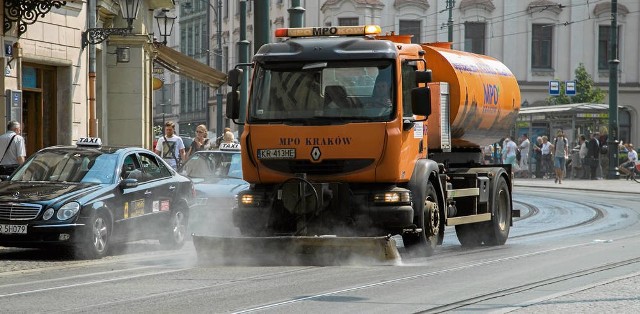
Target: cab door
[
  {"x": 132, "y": 203},
  {"x": 163, "y": 188}
]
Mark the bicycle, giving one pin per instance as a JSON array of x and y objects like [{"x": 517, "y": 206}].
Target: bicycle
[{"x": 632, "y": 173}]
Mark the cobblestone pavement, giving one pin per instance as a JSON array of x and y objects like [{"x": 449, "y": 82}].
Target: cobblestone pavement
[{"x": 615, "y": 295}]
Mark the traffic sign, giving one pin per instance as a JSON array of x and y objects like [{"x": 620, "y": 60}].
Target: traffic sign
[
  {"x": 570, "y": 88},
  {"x": 554, "y": 88}
]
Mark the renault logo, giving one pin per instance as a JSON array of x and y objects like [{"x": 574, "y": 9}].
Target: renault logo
[{"x": 315, "y": 153}]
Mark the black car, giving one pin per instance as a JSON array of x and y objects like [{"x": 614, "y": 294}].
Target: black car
[
  {"x": 217, "y": 176},
  {"x": 89, "y": 196}
]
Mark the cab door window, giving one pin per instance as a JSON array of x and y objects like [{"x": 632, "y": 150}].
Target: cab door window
[
  {"x": 131, "y": 168},
  {"x": 152, "y": 169}
]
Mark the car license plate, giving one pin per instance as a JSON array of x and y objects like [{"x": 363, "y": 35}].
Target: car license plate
[
  {"x": 277, "y": 153},
  {"x": 13, "y": 229}
]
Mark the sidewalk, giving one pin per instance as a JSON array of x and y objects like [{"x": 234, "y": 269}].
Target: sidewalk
[{"x": 617, "y": 185}]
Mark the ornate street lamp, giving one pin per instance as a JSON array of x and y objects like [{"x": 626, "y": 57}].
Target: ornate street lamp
[
  {"x": 165, "y": 24},
  {"x": 129, "y": 10}
]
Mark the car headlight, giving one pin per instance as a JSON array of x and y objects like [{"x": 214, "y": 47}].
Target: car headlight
[
  {"x": 48, "y": 214},
  {"x": 68, "y": 210}
]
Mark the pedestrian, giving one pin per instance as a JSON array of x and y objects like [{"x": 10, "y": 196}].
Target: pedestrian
[
  {"x": 561, "y": 152},
  {"x": 170, "y": 147},
  {"x": 626, "y": 168},
  {"x": 228, "y": 138},
  {"x": 13, "y": 149},
  {"x": 537, "y": 155},
  {"x": 524, "y": 154},
  {"x": 221, "y": 137},
  {"x": 200, "y": 141},
  {"x": 547, "y": 161},
  {"x": 509, "y": 154},
  {"x": 593, "y": 156},
  {"x": 582, "y": 154}
]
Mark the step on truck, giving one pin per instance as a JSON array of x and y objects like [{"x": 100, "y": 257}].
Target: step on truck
[{"x": 352, "y": 137}]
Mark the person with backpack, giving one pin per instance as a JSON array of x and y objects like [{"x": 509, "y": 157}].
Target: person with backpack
[
  {"x": 170, "y": 147},
  {"x": 560, "y": 153}
]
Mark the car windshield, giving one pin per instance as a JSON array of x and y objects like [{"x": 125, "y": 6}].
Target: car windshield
[
  {"x": 213, "y": 165},
  {"x": 89, "y": 166},
  {"x": 322, "y": 92}
]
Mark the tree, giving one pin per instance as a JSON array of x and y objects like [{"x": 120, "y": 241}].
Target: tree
[{"x": 585, "y": 90}]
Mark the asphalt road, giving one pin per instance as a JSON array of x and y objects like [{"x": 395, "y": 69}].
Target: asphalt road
[{"x": 575, "y": 249}]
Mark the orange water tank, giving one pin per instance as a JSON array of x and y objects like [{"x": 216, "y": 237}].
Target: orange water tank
[{"x": 484, "y": 95}]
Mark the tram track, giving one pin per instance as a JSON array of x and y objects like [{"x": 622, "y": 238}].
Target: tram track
[
  {"x": 534, "y": 210},
  {"x": 528, "y": 286}
]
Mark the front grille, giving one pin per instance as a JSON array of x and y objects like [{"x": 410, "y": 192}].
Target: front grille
[
  {"x": 325, "y": 167},
  {"x": 19, "y": 211}
]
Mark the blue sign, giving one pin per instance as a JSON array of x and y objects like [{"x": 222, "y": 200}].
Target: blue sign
[
  {"x": 8, "y": 49},
  {"x": 570, "y": 89},
  {"x": 554, "y": 88}
]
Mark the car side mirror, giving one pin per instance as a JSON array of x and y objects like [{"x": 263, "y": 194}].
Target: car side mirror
[
  {"x": 128, "y": 183},
  {"x": 4, "y": 177}
]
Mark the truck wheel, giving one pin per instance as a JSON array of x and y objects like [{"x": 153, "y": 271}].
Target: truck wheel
[
  {"x": 496, "y": 232},
  {"x": 97, "y": 245},
  {"x": 177, "y": 232},
  {"x": 428, "y": 219},
  {"x": 469, "y": 235}
]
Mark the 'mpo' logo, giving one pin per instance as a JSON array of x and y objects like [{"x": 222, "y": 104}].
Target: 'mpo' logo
[{"x": 491, "y": 94}]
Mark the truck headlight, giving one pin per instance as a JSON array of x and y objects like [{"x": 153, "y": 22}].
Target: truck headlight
[
  {"x": 251, "y": 200},
  {"x": 68, "y": 210},
  {"x": 395, "y": 197}
]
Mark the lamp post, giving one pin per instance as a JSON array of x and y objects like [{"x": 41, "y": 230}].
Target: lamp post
[
  {"x": 129, "y": 9},
  {"x": 165, "y": 24}
]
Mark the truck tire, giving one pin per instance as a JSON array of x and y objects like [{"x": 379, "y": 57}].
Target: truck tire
[
  {"x": 469, "y": 235},
  {"x": 496, "y": 231},
  {"x": 423, "y": 243}
]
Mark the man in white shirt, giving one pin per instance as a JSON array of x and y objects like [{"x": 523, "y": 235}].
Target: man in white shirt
[
  {"x": 632, "y": 159},
  {"x": 524, "y": 152},
  {"x": 12, "y": 148},
  {"x": 170, "y": 147}
]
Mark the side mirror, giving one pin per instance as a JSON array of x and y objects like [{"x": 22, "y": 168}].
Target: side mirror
[
  {"x": 234, "y": 78},
  {"x": 233, "y": 105},
  {"x": 128, "y": 183},
  {"x": 421, "y": 101},
  {"x": 423, "y": 77}
]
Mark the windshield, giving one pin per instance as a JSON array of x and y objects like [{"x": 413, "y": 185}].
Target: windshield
[
  {"x": 69, "y": 166},
  {"x": 213, "y": 165},
  {"x": 309, "y": 92}
]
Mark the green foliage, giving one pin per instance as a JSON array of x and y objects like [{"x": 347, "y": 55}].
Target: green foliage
[{"x": 586, "y": 92}]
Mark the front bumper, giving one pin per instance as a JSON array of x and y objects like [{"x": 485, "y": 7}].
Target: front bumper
[{"x": 42, "y": 235}]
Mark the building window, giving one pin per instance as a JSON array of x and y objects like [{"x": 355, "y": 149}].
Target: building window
[
  {"x": 474, "y": 36},
  {"x": 348, "y": 21},
  {"x": 183, "y": 95},
  {"x": 604, "y": 41},
  {"x": 190, "y": 41},
  {"x": 226, "y": 9},
  {"x": 411, "y": 27},
  {"x": 541, "y": 45},
  {"x": 225, "y": 56},
  {"x": 183, "y": 40}
]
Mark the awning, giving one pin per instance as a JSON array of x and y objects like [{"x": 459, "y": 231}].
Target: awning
[{"x": 182, "y": 64}]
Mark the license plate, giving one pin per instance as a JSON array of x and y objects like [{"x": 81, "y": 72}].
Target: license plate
[
  {"x": 13, "y": 229},
  {"x": 277, "y": 153}
]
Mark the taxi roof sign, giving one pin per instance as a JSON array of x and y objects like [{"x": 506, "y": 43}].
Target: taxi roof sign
[
  {"x": 89, "y": 141},
  {"x": 229, "y": 146}
]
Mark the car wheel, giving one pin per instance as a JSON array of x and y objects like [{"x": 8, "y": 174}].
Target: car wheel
[
  {"x": 176, "y": 234},
  {"x": 97, "y": 244},
  {"x": 428, "y": 220}
]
